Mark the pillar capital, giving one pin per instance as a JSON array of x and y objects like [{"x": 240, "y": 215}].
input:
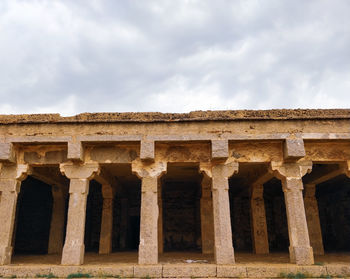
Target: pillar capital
[
  {"x": 224, "y": 170},
  {"x": 144, "y": 169},
  {"x": 79, "y": 171},
  {"x": 15, "y": 171},
  {"x": 290, "y": 170}
]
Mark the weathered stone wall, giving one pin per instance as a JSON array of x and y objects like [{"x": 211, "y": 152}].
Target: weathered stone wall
[
  {"x": 181, "y": 216},
  {"x": 240, "y": 223}
]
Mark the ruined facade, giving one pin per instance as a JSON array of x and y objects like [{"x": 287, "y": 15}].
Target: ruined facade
[{"x": 213, "y": 183}]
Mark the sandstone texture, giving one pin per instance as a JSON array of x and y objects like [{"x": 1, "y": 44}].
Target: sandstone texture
[{"x": 220, "y": 194}]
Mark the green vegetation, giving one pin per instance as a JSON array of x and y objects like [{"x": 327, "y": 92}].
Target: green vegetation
[
  {"x": 50, "y": 275},
  {"x": 297, "y": 275},
  {"x": 79, "y": 275}
]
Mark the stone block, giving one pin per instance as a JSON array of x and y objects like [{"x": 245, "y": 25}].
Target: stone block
[
  {"x": 230, "y": 271},
  {"x": 22, "y": 271},
  {"x": 148, "y": 270},
  {"x": 7, "y": 153},
  {"x": 293, "y": 149},
  {"x": 189, "y": 270},
  {"x": 261, "y": 271},
  {"x": 64, "y": 271},
  {"x": 219, "y": 149},
  {"x": 338, "y": 270},
  {"x": 124, "y": 270},
  {"x": 147, "y": 150},
  {"x": 75, "y": 151}
]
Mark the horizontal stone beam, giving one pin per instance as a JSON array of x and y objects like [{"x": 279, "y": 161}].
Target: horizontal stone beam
[
  {"x": 263, "y": 178},
  {"x": 105, "y": 178},
  {"x": 324, "y": 177}
]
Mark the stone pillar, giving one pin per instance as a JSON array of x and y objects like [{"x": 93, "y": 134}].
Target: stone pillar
[
  {"x": 160, "y": 221},
  {"x": 291, "y": 175},
  {"x": 124, "y": 220},
  {"x": 11, "y": 177},
  {"x": 207, "y": 221},
  {"x": 79, "y": 175},
  {"x": 313, "y": 219},
  {"x": 106, "y": 220},
  {"x": 150, "y": 174},
  {"x": 219, "y": 173},
  {"x": 258, "y": 220},
  {"x": 57, "y": 220}
]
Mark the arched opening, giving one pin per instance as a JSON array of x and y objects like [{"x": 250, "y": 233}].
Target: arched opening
[{"x": 41, "y": 217}]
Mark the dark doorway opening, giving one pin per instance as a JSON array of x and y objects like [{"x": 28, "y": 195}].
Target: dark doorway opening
[
  {"x": 34, "y": 211},
  {"x": 276, "y": 216},
  {"x": 93, "y": 217},
  {"x": 181, "y": 192},
  {"x": 333, "y": 199}
]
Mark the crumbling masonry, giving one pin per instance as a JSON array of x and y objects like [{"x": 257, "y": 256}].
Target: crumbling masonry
[{"x": 256, "y": 181}]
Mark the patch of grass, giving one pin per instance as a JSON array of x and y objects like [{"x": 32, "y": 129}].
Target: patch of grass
[
  {"x": 79, "y": 275},
  {"x": 50, "y": 275},
  {"x": 146, "y": 277},
  {"x": 102, "y": 275}
]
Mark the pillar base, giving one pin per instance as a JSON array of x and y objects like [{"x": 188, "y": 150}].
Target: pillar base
[
  {"x": 5, "y": 255},
  {"x": 148, "y": 254},
  {"x": 73, "y": 255},
  {"x": 302, "y": 255},
  {"x": 225, "y": 255}
]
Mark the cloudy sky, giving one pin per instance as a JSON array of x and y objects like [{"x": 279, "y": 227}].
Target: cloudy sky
[{"x": 173, "y": 56}]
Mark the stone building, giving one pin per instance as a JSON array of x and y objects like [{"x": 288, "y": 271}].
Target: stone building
[{"x": 215, "y": 183}]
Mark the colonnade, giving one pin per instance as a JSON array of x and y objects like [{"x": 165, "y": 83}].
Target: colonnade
[{"x": 215, "y": 211}]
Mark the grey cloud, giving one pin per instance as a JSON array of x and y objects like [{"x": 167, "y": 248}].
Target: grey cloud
[{"x": 75, "y": 56}]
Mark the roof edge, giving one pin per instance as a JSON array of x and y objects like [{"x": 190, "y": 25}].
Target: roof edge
[{"x": 146, "y": 117}]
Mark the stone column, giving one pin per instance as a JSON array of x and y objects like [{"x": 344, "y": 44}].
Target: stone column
[
  {"x": 313, "y": 219},
  {"x": 57, "y": 220},
  {"x": 160, "y": 221},
  {"x": 106, "y": 220},
  {"x": 258, "y": 220},
  {"x": 11, "y": 177},
  {"x": 79, "y": 175},
  {"x": 124, "y": 220},
  {"x": 291, "y": 175},
  {"x": 207, "y": 221},
  {"x": 150, "y": 174},
  {"x": 220, "y": 172}
]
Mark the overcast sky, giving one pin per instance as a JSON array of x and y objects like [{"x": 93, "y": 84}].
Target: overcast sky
[{"x": 173, "y": 56}]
